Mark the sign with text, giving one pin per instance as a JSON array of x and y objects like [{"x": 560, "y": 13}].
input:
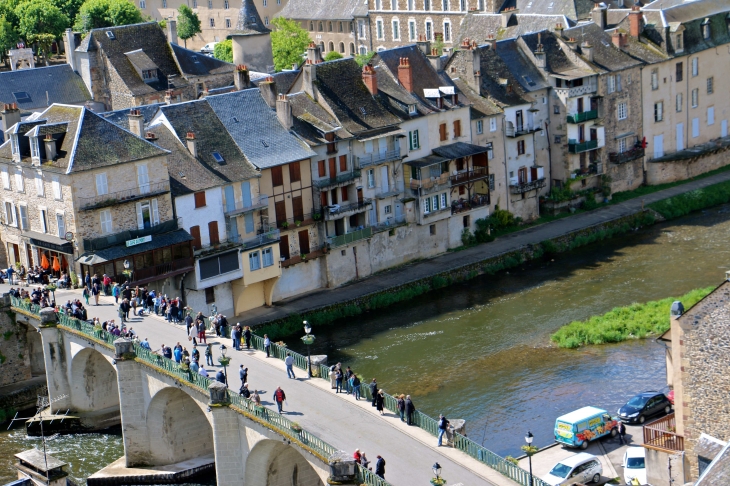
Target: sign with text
[{"x": 139, "y": 241}]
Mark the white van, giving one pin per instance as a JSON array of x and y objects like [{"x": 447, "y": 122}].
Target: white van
[
  {"x": 581, "y": 468},
  {"x": 208, "y": 48}
]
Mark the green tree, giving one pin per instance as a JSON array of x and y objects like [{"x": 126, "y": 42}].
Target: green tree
[
  {"x": 332, "y": 55},
  {"x": 70, "y": 8},
  {"x": 37, "y": 17},
  {"x": 289, "y": 43},
  {"x": 188, "y": 23},
  {"x": 224, "y": 50},
  {"x": 8, "y": 36},
  {"x": 95, "y": 14},
  {"x": 363, "y": 59}
]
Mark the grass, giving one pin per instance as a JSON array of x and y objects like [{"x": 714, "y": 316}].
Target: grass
[
  {"x": 635, "y": 321},
  {"x": 682, "y": 204}
]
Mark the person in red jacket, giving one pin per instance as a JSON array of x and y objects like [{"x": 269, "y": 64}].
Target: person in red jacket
[{"x": 279, "y": 397}]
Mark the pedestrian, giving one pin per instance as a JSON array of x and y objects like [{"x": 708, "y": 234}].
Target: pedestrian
[
  {"x": 236, "y": 336},
  {"x": 289, "y": 362},
  {"x": 338, "y": 381},
  {"x": 178, "y": 354},
  {"x": 247, "y": 337},
  {"x": 373, "y": 390},
  {"x": 202, "y": 371},
  {"x": 410, "y": 409},
  {"x": 255, "y": 398},
  {"x": 379, "y": 400},
  {"x": 87, "y": 281},
  {"x": 244, "y": 392},
  {"x": 194, "y": 366},
  {"x": 209, "y": 355},
  {"x": 355, "y": 386},
  {"x": 279, "y": 398},
  {"x": 443, "y": 425},
  {"x": 364, "y": 460},
  {"x": 116, "y": 292},
  {"x": 380, "y": 467},
  {"x": 10, "y": 275},
  {"x": 333, "y": 376},
  {"x": 85, "y": 293},
  {"x": 267, "y": 344},
  {"x": 357, "y": 456},
  {"x": 401, "y": 406},
  {"x": 621, "y": 428},
  {"x": 243, "y": 374},
  {"x": 221, "y": 377},
  {"x": 95, "y": 290},
  {"x": 188, "y": 323},
  {"x": 192, "y": 334},
  {"x": 166, "y": 352},
  {"x": 201, "y": 331},
  {"x": 348, "y": 381}
]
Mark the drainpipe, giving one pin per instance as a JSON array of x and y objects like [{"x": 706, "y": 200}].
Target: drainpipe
[
  {"x": 504, "y": 149},
  {"x": 550, "y": 153}
]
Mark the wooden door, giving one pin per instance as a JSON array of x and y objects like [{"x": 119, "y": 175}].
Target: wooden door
[
  {"x": 359, "y": 195},
  {"x": 333, "y": 168},
  {"x": 323, "y": 198},
  {"x": 580, "y": 105},
  {"x": 284, "y": 247},
  {"x": 533, "y": 173},
  {"x": 581, "y": 133},
  {"x": 518, "y": 121},
  {"x": 304, "y": 242},
  {"x": 213, "y": 232},
  {"x": 280, "y": 208},
  {"x": 522, "y": 175},
  {"x": 16, "y": 253},
  {"x": 298, "y": 208}
]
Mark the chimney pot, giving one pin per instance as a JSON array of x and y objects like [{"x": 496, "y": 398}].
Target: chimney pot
[
  {"x": 136, "y": 122},
  {"x": 405, "y": 74},
  {"x": 370, "y": 79},
  {"x": 150, "y": 136},
  {"x": 635, "y": 21},
  {"x": 192, "y": 144}
]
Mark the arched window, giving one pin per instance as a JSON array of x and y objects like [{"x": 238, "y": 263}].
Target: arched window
[
  {"x": 266, "y": 20},
  {"x": 342, "y": 47},
  {"x": 363, "y": 50},
  {"x": 331, "y": 46},
  {"x": 311, "y": 26},
  {"x": 321, "y": 46},
  {"x": 352, "y": 48}
]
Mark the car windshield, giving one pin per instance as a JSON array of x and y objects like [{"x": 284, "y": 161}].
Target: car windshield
[
  {"x": 637, "y": 402},
  {"x": 635, "y": 463},
  {"x": 560, "y": 470}
]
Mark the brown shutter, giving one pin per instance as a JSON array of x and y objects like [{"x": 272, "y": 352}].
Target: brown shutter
[
  {"x": 195, "y": 233},
  {"x": 442, "y": 132},
  {"x": 213, "y": 232},
  {"x": 344, "y": 193},
  {"x": 333, "y": 167},
  {"x": 323, "y": 198},
  {"x": 284, "y": 247},
  {"x": 294, "y": 174},
  {"x": 298, "y": 207},
  {"x": 277, "y": 178},
  {"x": 343, "y": 163},
  {"x": 322, "y": 172},
  {"x": 199, "y": 199},
  {"x": 280, "y": 208},
  {"x": 457, "y": 128},
  {"x": 304, "y": 241}
]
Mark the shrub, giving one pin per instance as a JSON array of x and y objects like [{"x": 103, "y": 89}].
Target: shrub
[
  {"x": 501, "y": 219},
  {"x": 467, "y": 238},
  {"x": 682, "y": 204},
  {"x": 481, "y": 233}
]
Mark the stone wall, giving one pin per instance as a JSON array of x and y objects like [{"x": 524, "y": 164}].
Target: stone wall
[
  {"x": 301, "y": 277},
  {"x": 627, "y": 176},
  {"x": 679, "y": 170},
  {"x": 14, "y": 354}
]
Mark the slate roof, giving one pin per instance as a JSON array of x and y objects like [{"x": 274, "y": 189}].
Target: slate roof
[
  {"x": 494, "y": 73},
  {"x": 605, "y": 54},
  {"x": 527, "y": 74},
  {"x": 258, "y": 133},
  {"x": 477, "y": 26},
  {"x": 311, "y": 121},
  {"x": 249, "y": 21},
  {"x": 458, "y": 149},
  {"x": 686, "y": 11},
  {"x": 283, "y": 80},
  {"x": 120, "y": 251},
  {"x": 61, "y": 83},
  {"x": 718, "y": 472},
  {"x": 324, "y": 9},
  {"x": 195, "y": 64},
  {"x": 573, "y": 9},
  {"x": 480, "y": 106},
  {"x": 121, "y": 117}
]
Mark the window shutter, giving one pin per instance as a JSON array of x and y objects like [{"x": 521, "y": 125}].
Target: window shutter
[
  {"x": 294, "y": 173},
  {"x": 155, "y": 213},
  {"x": 19, "y": 180},
  {"x": 6, "y": 178},
  {"x": 38, "y": 184},
  {"x": 457, "y": 128},
  {"x": 101, "y": 184},
  {"x": 248, "y": 220},
  {"x": 322, "y": 170},
  {"x": 344, "y": 193},
  {"x": 213, "y": 232},
  {"x": 277, "y": 177},
  {"x": 140, "y": 219},
  {"x": 618, "y": 82},
  {"x": 199, "y": 199},
  {"x": 343, "y": 163},
  {"x": 57, "y": 189},
  {"x": 44, "y": 223},
  {"x": 143, "y": 178},
  {"x": 195, "y": 233}
]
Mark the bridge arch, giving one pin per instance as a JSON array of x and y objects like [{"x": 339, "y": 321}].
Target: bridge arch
[
  {"x": 177, "y": 427},
  {"x": 275, "y": 463},
  {"x": 93, "y": 382}
]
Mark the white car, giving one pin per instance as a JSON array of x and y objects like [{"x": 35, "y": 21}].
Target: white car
[
  {"x": 635, "y": 465},
  {"x": 208, "y": 48},
  {"x": 579, "y": 468}
]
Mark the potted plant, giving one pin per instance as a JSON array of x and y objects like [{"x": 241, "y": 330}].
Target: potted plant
[
  {"x": 303, "y": 256},
  {"x": 438, "y": 481},
  {"x": 317, "y": 216},
  {"x": 298, "y": 223},
  {"x": 296, "y": 427},
  {"x": 285, "y": 224}
]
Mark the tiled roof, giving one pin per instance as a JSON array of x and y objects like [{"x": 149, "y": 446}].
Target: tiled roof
[
  {"x": 195, "y": 64},
  {"x": 697, "y": 9},
  {"x": 477, "y": 26},
  {"x": 258, "y": 133},
  {"x": 311, "y": 120},
  {"x": 718, "y": 472},
  {"x": 249, "y": 20},
  {"x": 43, "y": 85},
  {"x": 458, "y": 149},
  {"x": 498, "y": 83},
  {"x": 480, "y": 106},
  {"x": 121, "y": 117},
  {"x": 324, "y": 9},
  {"x": 524, "y": 71},
  {"x": 158, "y": 241},
  {"x": 283, "y": 80}
]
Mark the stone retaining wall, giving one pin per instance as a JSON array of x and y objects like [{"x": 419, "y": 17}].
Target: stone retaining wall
[{"x": 679, "y": 170}]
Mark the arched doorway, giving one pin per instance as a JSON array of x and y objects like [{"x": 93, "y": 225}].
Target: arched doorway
[
  {"x": 177, "y": 427},
  {"x": 274, "y": 463},
  {"x": 93, "y": 382}
]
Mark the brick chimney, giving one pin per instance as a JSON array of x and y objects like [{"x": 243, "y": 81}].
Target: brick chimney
[
  {"x": 150, "y": 137},
  {"x": 492, "y": 42},
  {"x": 10, "y": 116},
  {"x": 283, "y": 111},
  {"x": 599, "y": 15},
  {"x": 424, "y": 44},
  {"x": 267, "y": 87},
  {"x": 168, "y": 97},
  {"x": 314, "y": 54},
  {"x": 405, "y": 74},
  {"x": 192, "y": 144},
  {"x": 635, "y": 20},
  {"x": 136, "y": 122},
  {"x": 370, "y": 79},
  {"x": 309, "y": 75},
  {"x": 507, "y": 16},
  {"x": 619, "y": 39},
  {"x": 50, "y": 145},
  {"x": 572, "y": 43},
  {"x": 435, "y": 59},
  {"x": 241, "y": 77}
]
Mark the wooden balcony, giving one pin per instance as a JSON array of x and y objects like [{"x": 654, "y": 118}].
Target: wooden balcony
[
  {"x": 662, "y": 435},
  {"x": 623, "y": 157},
  {"x": 471, "y": 175}
]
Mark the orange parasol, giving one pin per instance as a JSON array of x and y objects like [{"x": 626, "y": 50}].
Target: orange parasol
[
  {"x": 44, "y": 262},
  {"x": 56, "y": 264}
]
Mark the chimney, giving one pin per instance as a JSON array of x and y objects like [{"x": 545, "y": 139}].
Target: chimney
[
  {"x": 168, "y": 97},
  {"x": 478, "y": 82},
  {"x": 192, "y": 144},
  {"x": 492, "y": 42},
  {"x": 150, "y": 137},
  {"x": 559, "y": 29},
  {"x": 635, "y": 20},
  {"x": 619, "y": 39},
  {"x": 540, "y": 57},
  {"x": 171, "y": 31},
  {"x": 241, "y": 77},
  {"x": 599, "y": 15},
  {"x": 10, "y": 116},
  {"x": 435, "y": 59},
  {"x": 295, "y": 66},
  {"x": 424, "y": 44},
  {"x": 405, "y": 74},
  {"x": 309, "y": 73},
  {"x": 136, "y": 122},
  {"x": 283, "y": 111},
  {"x": 370, "y": 79},
  {"x": 69, "y": 45},
  {"x": 507, "y": 16},
  {"x": 572, "y": 43},
  {"x": 50, "y": 145},
  {"x": 314, "y": 54},
  {"x": 587, "y": 51},
  {"x": 267, "y": 87}
]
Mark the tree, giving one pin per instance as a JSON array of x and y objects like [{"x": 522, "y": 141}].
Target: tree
[
  {"x": 363, "y": 59},
  {"x": 8, "y": 36},
  {"x": 40, "y": 17},
  {"x": 70, "y": 8},
  {"x": 289, "y": 43},
  {"x": 224, "y": 50},
  {"x": 95, "y": 14},
  {"x": 332, "y": 55},
  {"x": 188, "y": 24}
]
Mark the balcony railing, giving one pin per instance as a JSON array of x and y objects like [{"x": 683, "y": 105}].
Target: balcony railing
[
  {"x": 473, "y": 174},
  {"x": 581, "y": 117},
  {"x": 629, "y": 155},
  {"x": 337, "y": 211},
  {"x": 428, "y": 184},
  {"x": 383, "y": 192},
  {"x": 240, "y": 206},
  {"x": 96, "y": 244},
  {"x": 463, "y": 205},
  {"x": 575, "y": 147},
  {"x": 152, "y": 273},
  {"x": 128, "y": 195},
  {"x": 299, "y": 220},
  {"x": 662, "y": 434},
  {"x": 588, "y": 87},
  {"x": 389, "y": 223},
  {"x": 348, "y": 238},
  {"x": 378, "y": 157},
  {"x": 520, "y": 130},
  {"x": 341, "y": 179},
  {"x": 527, "y": 186},
  {"x": 271, "y": 235}
]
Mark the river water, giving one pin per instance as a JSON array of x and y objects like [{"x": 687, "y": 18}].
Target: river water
[{"x": 481, "y": 351}]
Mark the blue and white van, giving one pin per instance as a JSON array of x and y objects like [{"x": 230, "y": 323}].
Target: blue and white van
[{"x": 577, "y": 428}]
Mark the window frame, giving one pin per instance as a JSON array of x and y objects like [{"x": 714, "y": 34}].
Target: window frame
[
  {"x": 254, "y": 258},
  {"x": 622, "y": 109},
  {"x": 106, "y": 221}
]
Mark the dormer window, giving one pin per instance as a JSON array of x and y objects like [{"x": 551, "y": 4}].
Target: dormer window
[
  {"x": 680, "y": 42},
  {"x": 34, "y": 149},
  {"x": 149, "y": 74},
  {"x": 411, "y": 109},
  {"x": 14, "y": 147},
  {"x": 706, "y": 28}
]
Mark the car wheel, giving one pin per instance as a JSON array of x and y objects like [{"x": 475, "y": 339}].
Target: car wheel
[
  {"x": 584, "y": 445},
  {"x": 642, "y": 419},
  {"x": 596, "y": 478},
  {"x": 667, "y": 409},
  {"x": 614, "y": 432}
]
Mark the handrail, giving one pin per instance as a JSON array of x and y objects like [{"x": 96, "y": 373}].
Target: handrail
[
  {"x": 126, "y": 195},
  {"x": 240, "y": 206},
  {"x": 378, "y": 157},
  {"x": 339, "y": 179}
]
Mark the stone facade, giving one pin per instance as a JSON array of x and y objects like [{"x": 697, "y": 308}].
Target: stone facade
[
  {"x": 14, "y": 347},
  {"x": 661, "y": 172}
]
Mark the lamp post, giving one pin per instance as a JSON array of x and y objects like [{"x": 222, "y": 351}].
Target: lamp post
[
  {"x": 308, "y": 339},
  {"x": 224, "y": 360},
  {"x": 437, "y": 480},
  {"x": 126, "y": 271},
  {"x": 528, "y": 439}
]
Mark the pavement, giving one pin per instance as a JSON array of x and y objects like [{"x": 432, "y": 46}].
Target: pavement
[{"x": 452, "y": 260}]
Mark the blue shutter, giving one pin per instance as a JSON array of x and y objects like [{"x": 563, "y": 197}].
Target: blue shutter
[
  {"x": 230, "y": 199},
  {"x": 248, "y": 219},
  {"x": 246, "y": 192}
]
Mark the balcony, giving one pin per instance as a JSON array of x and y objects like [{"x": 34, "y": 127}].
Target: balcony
[
  {"x": 337, "y": 211},
  {"x": 623, "y": 157},
  {"x": 467, "y": 176},
  {"x": 661, "y": 435},
  {"x": 348, "y": 238},
  {"x": 521, "y": 188},
  {"x": 241, "y": 207},
  {"x": 266, "y": 236},
  {"x": 513, "y": 131},
  {"x": 428, "y": 185},
  {"x": 340, "y": 180},
  {"x": 464, "y": 205},
  {"x": 149, "y": 274},
  {"x": 582, "y": 117},
  {"x": 298, "y": 220},
  {"x": 378, "y": 158},
  {"x": 385, "y": 192},
  {"x": 575, "y": 147},
  {"x": 389, "y": 223},
  {"x": 120, "y": 197},
  {"x": 587, "y": 87}
]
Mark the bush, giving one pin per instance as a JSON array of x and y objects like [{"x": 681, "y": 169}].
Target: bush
[
  {"x": 482, "y": 233},
  {"x": 501, "y": 219},
  {"x": 467, "y": 238},
  {"x": 677, "y": 206},
  {"x": 560, "y": 194}
]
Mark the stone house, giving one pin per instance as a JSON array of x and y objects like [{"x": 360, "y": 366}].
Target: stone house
[{"x": 134, "y": 65}]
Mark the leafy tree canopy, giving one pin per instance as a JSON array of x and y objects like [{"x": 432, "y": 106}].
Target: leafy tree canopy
[
  {"x": 8, "y": 35},
  {"x": 70, "y": 8},
  {"x": 332, "y": 55},
  {"x": 188, "y": 23},
  {"x": 224, "y": 50},
  {"x": 95, "y": 14},
  {"x": 289, "y": 43},
  {"x": 40, "y": 17},
  {"x": 363, "y": 59}
]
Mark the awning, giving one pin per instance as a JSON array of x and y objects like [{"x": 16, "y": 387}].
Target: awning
[
  {"x": 123, "y": 251},
  {"x": 459, "y": 149},
  {"x": 426, "y": 161},
  {"x": 49, "y": 242},
  {"x": 378, "y": 133}
]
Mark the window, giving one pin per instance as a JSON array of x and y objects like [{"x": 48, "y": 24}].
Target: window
[
  {"x": 558, "y": 139},
  {"x": 622, "y": 145},
  {"x": 210, "y": 3},
  {"x": 210, "y": 295},
  {"x": 410, "y": 4},
  {"x": 311, "y": 26},
  {"x": 654, "y": 79},
  {"x": 710, "y": 85},
  {"x": 57, "y": 194},
  {"x": 147, "y": 214},
  {"x": 213, "y": 233},
  {"x": 321, "y": 169},
  {"x": 443, "y": 133},
  {"x": 618, "y": 82},
  {"x": 443, "y": 200},
  {"x": 611, "y": 84},
  {"x": 447, "y": 31},
  {"x": 429, "y": 30},
  {"x": 101, "y": 185},
  {"x": 44, "y": 221},
  {"x": 267, "y": 255},
  {"x": 228, "y": 26},
  {"x": 106, "y": 221},
  {"x": 388, "y": 209},
  {"x": 14, "y": 147},
  {"x": 218, "y": 265},
  {"x": 432, "y": 229},
  {"x": 378, "y": 5},
  {"x": 445, "y": 5},
  {"x": 379, "y": 29},
  {"x": 394, "y": 4},
  {"x": 329, "y": 26},
  {"x": 412, "y": 30},
  {"x": 195, "y": 233},
  {"x": 343, "y": 194},
  {"x": 6, "y": 178},
  {"x": 142, "y": 4},
  {"x": 277, "y": 176},
  {"x": 371, "y": 177},
  {"x": 706, "y": 29},
  {"x": 340, "y": 27},
  {"x": 254, "y": 261},
  {"x": 679, "y": 72},
  {"x": 164, "y": 3},
  {"x": 492, "y": 124},
  {"x": 658, "y": 111},
  {"x": 491, "y": 182},
  {"x": 60, "y": 225},
  {"x": 396, "y": 30},
  {"x": 195, "y": 3},
  {"x": 695, "y": 127},
  {"x": 679, "y": 102},
  {"x": 622, "y": 111},
  {"x": 711, "y": 115},
  {"x": 39, "y": 184},
  {"x": 212, "y": 22},
  {"x": 680, "y": 42},
  {"x": 10, "y": 214},
  {"x": 426, "y": 4},
  {"x": 143, "y": 178},
  {"x": 413, "y": 141},
  {"x": 199, "y": 199},
  {"x": 19, "y": 180},
  {"x": 435, "y": 203},
  {"x": 520, "y": 147},
  {"x": 361, "y": 29},
  {"x": 427, "y": 205},
  {"x": 295, "y": 174},
  {"x": 457, "y": 128},
  {"x": 695, "y": 66},
  {"x": 480, "y": 126},
  {"x": 462, "y": 5},
  {"x": 695, "y": 97}
]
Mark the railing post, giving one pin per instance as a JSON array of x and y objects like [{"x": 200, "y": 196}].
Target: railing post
[{"x": 124, "y": 349}]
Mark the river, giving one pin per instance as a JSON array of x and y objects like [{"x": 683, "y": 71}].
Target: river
[{"x": 481, "y": 351}]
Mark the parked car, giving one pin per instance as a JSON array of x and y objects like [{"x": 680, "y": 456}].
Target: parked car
[
  {"x": 580, "y": 468},
  {"x": 577, "y": 428},
  {"x": 635, "y": 465},
  {"x": 208, "y": 48},
  {"x": 643, "y": 406}
]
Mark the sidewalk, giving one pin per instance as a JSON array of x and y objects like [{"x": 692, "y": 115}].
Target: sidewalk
[{"x": 449, "y": 261}]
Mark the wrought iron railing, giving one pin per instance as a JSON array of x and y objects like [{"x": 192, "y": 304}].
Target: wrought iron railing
[
  {"x": 128, "y": 195},
  {"x": 473, "y": 174},
  {"x": 623, "y": 157},
  {"x": 339, "y": 179},
  {"x": 337, "y": 211},
  {"x": 575, "y": 147},
  {"x": 378, "y": 157},
  {"x": 348, "y": 238},
  {"x": 584, "y": 116},
  {"x": 523, "y": 187},
  {"x": 271, "y": 235}
]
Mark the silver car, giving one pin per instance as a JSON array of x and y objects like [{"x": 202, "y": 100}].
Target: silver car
[{"x": 580, "y": 468}]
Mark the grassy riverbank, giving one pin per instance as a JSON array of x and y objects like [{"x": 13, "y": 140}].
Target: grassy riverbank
[{"x": 635, "y": 321}]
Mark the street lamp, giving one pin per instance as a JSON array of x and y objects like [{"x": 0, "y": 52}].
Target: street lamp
[
  {"x": 223, "y": 360},
  {"x": 437, "y": 480},
  {"x": 308, "y": 339},
  {"x": 528, "y": 439}
]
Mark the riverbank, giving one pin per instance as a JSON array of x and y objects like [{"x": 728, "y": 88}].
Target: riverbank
[{"x": 635, "y": 321}]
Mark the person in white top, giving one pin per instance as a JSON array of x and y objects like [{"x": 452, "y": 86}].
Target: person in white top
[
  {"x": 202, "y": 371},
  {"x": 289, "y": 362}
]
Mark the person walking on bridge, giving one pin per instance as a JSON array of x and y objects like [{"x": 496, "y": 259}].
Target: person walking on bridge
[
  {"x": 410, "y": 409},
  {"x": 380, "y": 467},
  {"x": 279, "y": 397},
  {"x": 247, "y": 337},
  {"x": 373, "y": 390},
  {"x": 243, "y": 374},
  {"x": 401, "y": 406},
  {"x": 289, "y": 362},
  {"x": 443, "y": 425},
  {"x": 220, "y": 376},
  {"x": 379, "y": 400}
]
